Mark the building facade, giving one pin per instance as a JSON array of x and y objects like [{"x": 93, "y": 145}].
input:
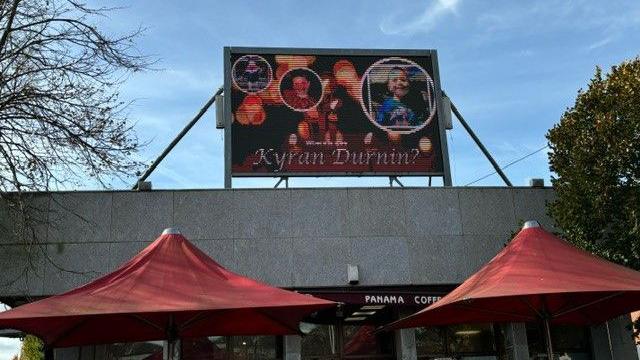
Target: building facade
[{"x": 382, "y": 252}]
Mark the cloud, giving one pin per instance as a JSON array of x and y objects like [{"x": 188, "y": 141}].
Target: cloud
[
  {"x": 171, "y": 83},
  {"x": 601, "y": 43},
  {"x": 525, "y": 53},
  {"x": 424, "y": 23},
  {"x": 514, "y": 20}
]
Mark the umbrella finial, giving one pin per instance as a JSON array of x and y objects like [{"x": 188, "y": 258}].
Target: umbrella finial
[
  {"x": 171, "y": 231},
  {"x": 531, "y": 224}
]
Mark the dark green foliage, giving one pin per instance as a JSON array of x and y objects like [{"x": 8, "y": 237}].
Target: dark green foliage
[{"x": 596, "y": 159}]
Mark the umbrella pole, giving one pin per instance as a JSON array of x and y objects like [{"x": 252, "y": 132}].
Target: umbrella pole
[
  {"x": 547, "y": 337},
  {"x": 174, "y": 351},
  {"x": 48, "y": 352}
]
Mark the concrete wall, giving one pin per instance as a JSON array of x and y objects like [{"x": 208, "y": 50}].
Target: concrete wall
[{"x": 286, "y": 237}]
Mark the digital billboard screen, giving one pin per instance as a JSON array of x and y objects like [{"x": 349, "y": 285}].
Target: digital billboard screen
[{"x": 333, "y": 112}]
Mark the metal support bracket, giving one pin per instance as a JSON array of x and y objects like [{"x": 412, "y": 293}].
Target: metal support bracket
[
  {"x": 177, "y": 139},
  {"x": 286, "y": 182},
  {"x": 478, "y": 142}
]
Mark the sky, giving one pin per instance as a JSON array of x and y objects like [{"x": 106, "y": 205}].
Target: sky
[{"x": 510, "y": 67}]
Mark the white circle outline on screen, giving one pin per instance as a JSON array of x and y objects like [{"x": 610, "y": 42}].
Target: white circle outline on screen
[
  {"x": 310, "y": 107},
  {"x": 365, "y": 110},
  {"x": 233, "y": 74}
]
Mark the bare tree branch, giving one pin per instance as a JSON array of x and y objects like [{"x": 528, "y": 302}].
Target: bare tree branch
[
  {"x": 7, "y": 29},
  {"x": 62, "y": 122}
]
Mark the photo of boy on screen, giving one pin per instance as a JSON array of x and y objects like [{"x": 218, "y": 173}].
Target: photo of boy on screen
[{"x": 398, "y": 96}]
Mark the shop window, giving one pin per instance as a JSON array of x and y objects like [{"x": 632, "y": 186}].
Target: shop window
[
  {"x": 254, "y": 347},
  {"x": 319, "y": 342},
  {"x": 204, "y": 348},
  {"x": 151, "y": 350},
  {"x": 232, "y": 348},
  {"x": 430, "y": 340},
  {"x": 333, "y": 342},
  {"x": 468, "y": 341},
  {"x": 572, "y": 341},
  {"x": 362, "y": 340},
  {"x": 471, "y": 339}
]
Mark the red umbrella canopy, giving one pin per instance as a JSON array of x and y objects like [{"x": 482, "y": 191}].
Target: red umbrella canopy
[
  {"x": 169, "y": 290},
  {"x": 537, "y": 276}
]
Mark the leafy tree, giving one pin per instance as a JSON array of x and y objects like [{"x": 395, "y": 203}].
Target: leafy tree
[
  {"x": 62, "y": 122},
  {"x": 596, "y": 158},
  {"x": 32, "y": 348}
]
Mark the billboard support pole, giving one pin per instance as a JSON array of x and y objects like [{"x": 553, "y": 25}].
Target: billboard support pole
[
  {"x": 177, "y": 139},
  {"x": 286, "y": 182},
  {"x": 479, "y": 143},
  {"x": 392, "y": 179}
]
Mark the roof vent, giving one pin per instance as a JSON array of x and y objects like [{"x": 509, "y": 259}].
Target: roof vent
[
  {"x": 536, "y": 183},
  {"x": 531, "y": 224},
  {"x": 171, "y": 231}
]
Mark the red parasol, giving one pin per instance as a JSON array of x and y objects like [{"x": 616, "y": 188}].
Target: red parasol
[
  {"x": 170, "y": 290},
  {"x": 537, "y": 277}
]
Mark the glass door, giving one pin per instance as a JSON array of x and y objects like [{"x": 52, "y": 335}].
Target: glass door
[
  {"x": 346, "y": 341},
  {"x": 320, "y": 342}
]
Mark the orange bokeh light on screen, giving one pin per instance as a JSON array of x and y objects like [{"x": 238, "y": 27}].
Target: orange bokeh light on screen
[
  {"x": 281, "y": 70},
  {"x": 271, "y": 95},
  {"x": 303, "y": 130},
  {"x": 251, "y": 112},
  {"x": 394, "y": 136},
  {"x": 252, "y": 100},
  {"x": 312, "y": 113},
  {"x": 345, "y": 73},
  {"x": 425, "y": 145},
  {"x": 295, "y": 61}
]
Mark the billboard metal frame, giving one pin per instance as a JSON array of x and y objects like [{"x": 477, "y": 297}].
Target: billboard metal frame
[{"x": 228, "y": 50}]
